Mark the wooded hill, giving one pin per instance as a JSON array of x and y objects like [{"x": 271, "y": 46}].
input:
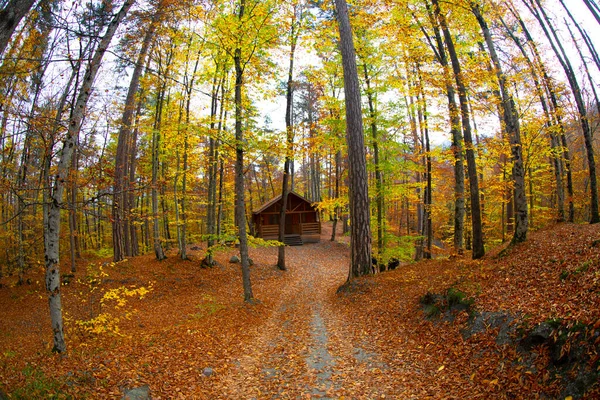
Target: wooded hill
[{"x": 131, "y": 127}]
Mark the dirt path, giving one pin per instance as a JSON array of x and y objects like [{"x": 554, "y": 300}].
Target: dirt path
[{"x": 299, "y": 350}]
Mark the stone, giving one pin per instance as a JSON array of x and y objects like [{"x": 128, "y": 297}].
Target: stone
[
  {"x": 139, "y": 393},
  {"x": 208, "y": 371},
  {"x": 234, "y": 259}
]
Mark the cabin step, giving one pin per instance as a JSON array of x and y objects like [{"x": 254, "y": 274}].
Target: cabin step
[{"x": 293, "y": 240}]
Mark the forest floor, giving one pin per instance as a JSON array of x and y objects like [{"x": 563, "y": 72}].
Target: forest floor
[{"x": 188, "y": 334}]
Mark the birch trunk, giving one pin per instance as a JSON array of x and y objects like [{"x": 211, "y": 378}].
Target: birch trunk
[{"x": 52, "y": 228}]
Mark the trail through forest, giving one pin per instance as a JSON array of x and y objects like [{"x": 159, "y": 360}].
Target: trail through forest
[
  {"x": 300, "y": 350},
  {"x": 189, "y": 335}
]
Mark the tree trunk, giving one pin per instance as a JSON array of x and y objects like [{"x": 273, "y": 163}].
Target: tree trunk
[
  {"x": 10, "y": 16},
  {"x": 360, "y": 229},
  {"x": 378, "y": 175},
  {"x": 52, "y": 228},
  {"x": 583, "y": 60},
  {"x": 240, "y": 208},
  {"x": 455, "y": 128},
  {"x": 511, "y": 123},
  {"x": 477, "y": 233},
  {"x": 594, "y": 9},
  {"x": 289, "y": 154},
  {"x": 122, "y": 241}
]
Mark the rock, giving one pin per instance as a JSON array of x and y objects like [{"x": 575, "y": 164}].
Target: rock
[
  {"x": 393, "y": 263},
  {"x": 250, "y": 262},
  {"x": 234, "y": 259},
  {"x": 208, "y": 371},
  {"x": 538, "y": 335},
  {"x": 139, "y": 393},
  {"x": 482, "y": 321}
]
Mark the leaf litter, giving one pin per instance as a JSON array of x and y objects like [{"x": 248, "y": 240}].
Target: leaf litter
[{"x": 303, "y": 339}]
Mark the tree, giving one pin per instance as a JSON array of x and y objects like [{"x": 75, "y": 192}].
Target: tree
[
  {"x": 122, "y": 239},
  {"x": 52, "y": 228},
  {"x": 10, "y": 16},
  {"x": 455, "y": 128},
  {"x": 360, "y": 228},
  {"x": 511, "y": 123},
  {"x": 478, "y": 247},
  {"x": 289, "y": 131}
]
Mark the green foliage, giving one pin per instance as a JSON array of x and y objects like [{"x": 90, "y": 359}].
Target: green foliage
[
  {"x": 399, "y": 247},
  {"x": 456, "y": 297},
  {"x": 39, "y": 386},
  {"x": 207, "y": 306}
]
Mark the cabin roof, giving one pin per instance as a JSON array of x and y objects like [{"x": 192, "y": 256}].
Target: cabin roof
[{"x": 276, "y": 199}]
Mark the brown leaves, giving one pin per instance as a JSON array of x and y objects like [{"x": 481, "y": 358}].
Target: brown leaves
[{"x": 303, "y": 340}]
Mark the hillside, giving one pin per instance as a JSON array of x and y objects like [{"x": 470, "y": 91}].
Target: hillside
[{"x": 520, "y": 323}]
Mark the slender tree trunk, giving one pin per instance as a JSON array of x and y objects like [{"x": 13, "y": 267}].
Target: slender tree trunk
[
  {"x": 455, "y": 128},
  {"x": 52, "y": 228},
  {"x": 427, "y": 227},
  {"x": 583, "y": 60},
  {"x": 379, "y": 199},
  {"x": 594, "y": 9},
  {"x": 289, "y": 154},
  {"x": 240, "y": 207},
  {"x": 360, "y": 230},
  {"x": 511, "y": 123},
  {"x": 122, "y": 185},
  {"x": 478, "y": 247}
]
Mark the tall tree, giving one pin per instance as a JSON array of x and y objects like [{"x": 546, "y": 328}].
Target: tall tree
[
  {"x": 476, "y": 223},
  {"x": 122, "y": 240},
  {"x": 511, "y": 123},
  {"x": 289, "y": 132},
  {"x": 52, "y": 228},
  {"x": 360, "y": 229}
]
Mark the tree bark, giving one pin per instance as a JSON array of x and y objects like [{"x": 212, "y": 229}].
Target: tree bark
[{"x": 360, "y": 229}]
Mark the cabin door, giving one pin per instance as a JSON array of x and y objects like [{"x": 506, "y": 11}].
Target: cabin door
[{"x": 291, "y": 224}]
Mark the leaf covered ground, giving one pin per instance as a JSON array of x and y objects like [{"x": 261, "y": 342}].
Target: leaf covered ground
[{"x": 186, "y": 333}]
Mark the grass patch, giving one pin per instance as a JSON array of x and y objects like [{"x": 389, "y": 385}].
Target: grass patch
[{"x": 39, "y": 386}]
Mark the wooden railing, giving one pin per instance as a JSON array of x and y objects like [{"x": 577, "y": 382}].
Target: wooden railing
[
  {"x": 310, "y": 228},
  {"x": 270, "y": 231}
]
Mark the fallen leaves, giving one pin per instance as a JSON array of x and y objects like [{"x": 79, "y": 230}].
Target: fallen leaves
[{"x": 303, "y": 340}]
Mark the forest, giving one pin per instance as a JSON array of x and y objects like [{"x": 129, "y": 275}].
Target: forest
[{"x": 140, "y": 138}]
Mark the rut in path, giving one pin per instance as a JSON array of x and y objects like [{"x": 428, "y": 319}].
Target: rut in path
[{"x": 300, "y": 350}]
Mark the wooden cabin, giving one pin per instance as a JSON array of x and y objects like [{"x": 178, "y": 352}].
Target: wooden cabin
[{"x": 302, "y": 223}]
